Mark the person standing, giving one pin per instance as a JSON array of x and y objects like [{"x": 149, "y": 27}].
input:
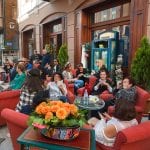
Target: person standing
[
  {"x": 56, "y": 67},
  {"x": 46, "y": 58},
  {"x": 35, "y": 56}
]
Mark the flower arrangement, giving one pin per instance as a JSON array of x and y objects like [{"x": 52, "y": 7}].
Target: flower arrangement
[
  {"x": 58, "y": 120},
  {"x": 57, "y": 114}
]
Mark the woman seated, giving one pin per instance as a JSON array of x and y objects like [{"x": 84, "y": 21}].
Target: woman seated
[
  {"x": 31, "y": 87},
  {"x": 48, "y": 78},
  {"x": 107, "y": 128},
  {"x": 19, "y": 79},
  {"x": 81, "y": 72},
  {"x": 17, "y": 82},
  {"x": 57, "y": 88},
  {"x": 68, "y": 75}
]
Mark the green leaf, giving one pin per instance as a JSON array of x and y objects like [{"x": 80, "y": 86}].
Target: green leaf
[
  {"x": 63, "y": 55},
  {"x": 140, "y": 66}
]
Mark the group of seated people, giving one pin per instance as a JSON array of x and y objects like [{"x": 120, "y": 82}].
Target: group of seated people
[{"x": 35, "y": 89}]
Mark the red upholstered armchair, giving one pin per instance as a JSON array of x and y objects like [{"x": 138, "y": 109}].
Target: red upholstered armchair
[
  {"x": 70, "y": 86},
  {"x": 92, "y": 81},
  {"x": 133, "y": 138},
  {"x": 142, "y": 97},
  {"x": 70, "y": 96},
  {"x": 16, "y": 123},
  {"x": 105, "y": 95},
  {"x": 8, "y": 99}
]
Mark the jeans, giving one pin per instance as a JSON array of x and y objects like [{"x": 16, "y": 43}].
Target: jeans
[{"x": 78, "y": 84}]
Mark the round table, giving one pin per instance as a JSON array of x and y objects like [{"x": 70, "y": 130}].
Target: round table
[{"x": 91, "y": 105}]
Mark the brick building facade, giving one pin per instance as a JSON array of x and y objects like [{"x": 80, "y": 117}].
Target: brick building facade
[
  {"x": 9, "y": 44},
  {"x": 77, "y": 22}
]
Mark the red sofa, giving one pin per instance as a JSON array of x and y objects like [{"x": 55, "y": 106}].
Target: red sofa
[
  {"x": 71, "y": 97},
  {"x": 70, "y": 86},
  {"x": 8, "y": 99},
  {"x": 142, "y": 97},
  {"x": 16, "y": 123},
  {"x": 133, "y": 138}
]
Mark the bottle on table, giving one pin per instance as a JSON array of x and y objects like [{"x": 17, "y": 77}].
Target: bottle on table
[{"x": 85, "y": 97}]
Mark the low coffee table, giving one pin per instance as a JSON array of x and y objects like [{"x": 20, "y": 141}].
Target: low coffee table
[
  {"x": 32, "y": 138},
  {"x": 91, "y": 105}
]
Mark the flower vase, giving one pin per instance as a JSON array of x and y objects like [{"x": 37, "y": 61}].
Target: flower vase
[{"x": 61, "y": 133}]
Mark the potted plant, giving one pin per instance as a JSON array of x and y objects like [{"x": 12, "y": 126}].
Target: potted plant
[
  {"x": 63, "y": 55},
  {"x": 140, "y": 67},
  {"x": 57, "y": 120}
]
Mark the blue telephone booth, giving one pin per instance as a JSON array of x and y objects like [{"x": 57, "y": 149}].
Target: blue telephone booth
[{"x": 104, "y": 50}]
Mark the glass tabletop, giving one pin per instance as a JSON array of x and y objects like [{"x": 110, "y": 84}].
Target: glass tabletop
[{"x": 91, "y": 105}]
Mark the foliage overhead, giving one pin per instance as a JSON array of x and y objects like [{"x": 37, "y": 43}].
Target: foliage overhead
[{"x": 140, "y": 67}]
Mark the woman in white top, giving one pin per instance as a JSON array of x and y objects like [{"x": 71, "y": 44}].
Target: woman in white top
[
  {"x": 107, "y": 128},
  {"x": 57, "y": 88},
  {"x": 68, "y": 75}
]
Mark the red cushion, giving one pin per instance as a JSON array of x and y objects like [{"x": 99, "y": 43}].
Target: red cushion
[{"x": 9, "y": 94}]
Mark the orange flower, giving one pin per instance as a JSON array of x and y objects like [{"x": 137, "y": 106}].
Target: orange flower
[
  {"x": 61, "y": 113},
  {"x": 66, "y": 106},
  {"x": 54, "y": 108},
  {"x": 56, "y": 103},
  {"x": 73, "y": 109},
  {"x": 38, "y": 109},
  {"x": 45, "y": 109},
  {"x": 49, "y": 116},
  {"x": 43, "y": 104}
]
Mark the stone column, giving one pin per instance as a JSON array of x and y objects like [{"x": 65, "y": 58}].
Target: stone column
[
  {"x": 70, "y": 36},
  {"x": 148, "y": 21}
]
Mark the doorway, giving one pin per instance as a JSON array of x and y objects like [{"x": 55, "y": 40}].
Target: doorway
[
  {"x": 28, "y": 43},
  {"x": 52, "y": 34}
]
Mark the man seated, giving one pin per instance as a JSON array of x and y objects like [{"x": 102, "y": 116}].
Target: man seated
[{"x": 102, "y": 84}]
